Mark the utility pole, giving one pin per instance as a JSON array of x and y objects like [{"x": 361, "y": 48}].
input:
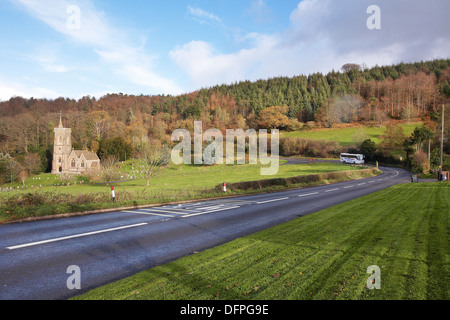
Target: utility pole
[{"x": 442, "y": 145}]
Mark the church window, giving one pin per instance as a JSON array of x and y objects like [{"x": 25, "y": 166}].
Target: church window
[
  {"x": 82, "y": 164},
  {"x": 59, "y": 160},
  {"x": 73, "y": 164}
]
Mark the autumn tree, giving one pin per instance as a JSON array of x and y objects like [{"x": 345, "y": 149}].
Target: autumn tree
[
  {"x": 340, "y": 109},
  {"x": 274, "y": 118},
  {"x": 393, "y": 138},
  {"x": 100, "y": 123}
]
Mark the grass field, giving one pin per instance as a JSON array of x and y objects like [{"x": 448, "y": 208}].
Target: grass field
[
  {"x": 323, "y": 256},
  {"x": 174, "y": 183},
  {"x": 349, "y": 136},
  {"x": 182, "y": 177}
]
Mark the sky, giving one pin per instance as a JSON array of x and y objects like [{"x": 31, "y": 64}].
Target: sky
[{"x": 75, "y": 48}]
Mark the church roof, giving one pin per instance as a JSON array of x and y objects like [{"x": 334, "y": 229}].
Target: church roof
[{"x": 87, "y": 154}]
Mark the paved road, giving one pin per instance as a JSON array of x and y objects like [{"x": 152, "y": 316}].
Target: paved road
[{"x": 35, "y": 256}]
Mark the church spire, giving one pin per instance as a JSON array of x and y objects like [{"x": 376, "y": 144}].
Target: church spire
[{"x": 60, "y": 120}]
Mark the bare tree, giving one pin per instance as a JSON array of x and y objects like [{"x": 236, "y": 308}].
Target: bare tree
[
  {"x": 109, "y": 169},
  {"x": 350, "y": 66},
  {"x": 23, "y": 175},
  {"x": 14, "y": 169},
  {"x": 101, "y": 122},
  {"x": 153, "y": 160},
  {"x": 32, "y": 162}
]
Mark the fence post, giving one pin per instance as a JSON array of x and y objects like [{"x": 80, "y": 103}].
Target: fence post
[{"x": 113, "y": 194}]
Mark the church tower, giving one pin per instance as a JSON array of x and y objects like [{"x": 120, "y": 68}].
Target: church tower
[{"x": 62, "y": 147}]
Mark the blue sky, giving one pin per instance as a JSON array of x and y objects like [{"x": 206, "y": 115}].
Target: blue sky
[{"x": 48, "y": 50}]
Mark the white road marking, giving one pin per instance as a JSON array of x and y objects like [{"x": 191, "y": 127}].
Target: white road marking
[
  {"x": 201, "y": 213},
  {"x": 149, "y": 213},
  {"x": 361, "y": 184},
  {"x": 308, "y": 194},
  {"x": 274, "y": 200},
  {"x": 332, "y": 190},
  {"x": 74, "y": 236},
  {"x": 348, "y": 187},
  {"x": 212, "y": 207},
  {"x": 154, "y": 210}
]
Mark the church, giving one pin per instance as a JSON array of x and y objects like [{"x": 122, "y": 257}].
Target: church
[{"x": 66, "y": 160}]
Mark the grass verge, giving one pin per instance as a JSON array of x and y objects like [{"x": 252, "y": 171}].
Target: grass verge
[
  {"x": 174, "y": 184},
  {"x": 349, "y": 136},
  {"x": 323, "y": 256}
]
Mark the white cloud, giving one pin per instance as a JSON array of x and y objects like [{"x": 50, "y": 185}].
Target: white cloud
[
  {"x": 108, "y": 42},
  {"x": 201, "y": 14},
  {"x": 412, "y": 25},
  {"x": 48, "y": 58},
  {"x": 206, "y": 67},
  {"x": 324, "y": 35},
  {"x": 8, "y": 90}
]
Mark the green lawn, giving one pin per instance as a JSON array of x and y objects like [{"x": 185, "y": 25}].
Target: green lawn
[
  {"x": 323, "y": 256},
  {"x": 183, "y": 177},
  {"x": 349, "y": 136},
  {"x": 174, "y": 183}
]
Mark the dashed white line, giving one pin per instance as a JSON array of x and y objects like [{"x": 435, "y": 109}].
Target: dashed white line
[
  {"x": 348, "y": 187},
  {"x": 332, "y": 190},
  {"x": 31, "y": 244},
  {"x": 274, "y": 200},
  {"x": 308, "y": 194}
]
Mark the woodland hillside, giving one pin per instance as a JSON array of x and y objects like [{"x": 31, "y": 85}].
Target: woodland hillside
[{"x": 352, "y": 95}]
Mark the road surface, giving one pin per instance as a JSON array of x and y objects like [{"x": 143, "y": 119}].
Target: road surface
[{"x": 35, "y": 257}]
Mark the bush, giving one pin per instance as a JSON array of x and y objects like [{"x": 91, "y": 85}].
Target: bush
[
  {"x": 387, "y": 158},
  {"x": 286, "y": 182},
  {"x": 368, "y": 149},
  {"x": 420, "y": 163},
  {"x": 309, "y": 148}
]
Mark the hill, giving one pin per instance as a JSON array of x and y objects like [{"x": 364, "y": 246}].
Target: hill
[{"x": 354, "y": 95}]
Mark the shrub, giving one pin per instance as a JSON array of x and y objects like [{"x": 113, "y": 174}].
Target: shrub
[
  {"x": 420, "y": 163},
  {"x": 309, "y": 148},
  {"x": 286, "y": 182}
]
